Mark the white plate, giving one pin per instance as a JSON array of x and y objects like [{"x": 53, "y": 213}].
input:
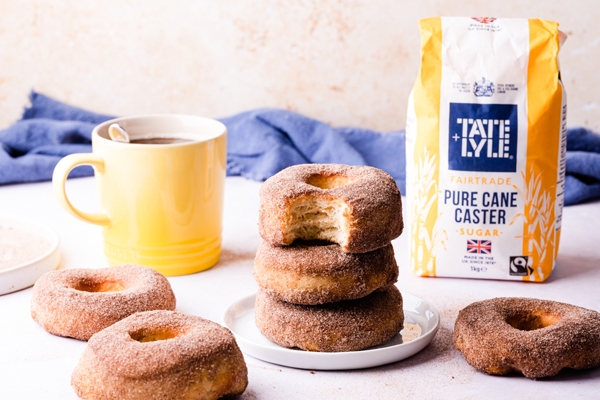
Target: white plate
[
  {"x": 239, "y": 318},
  {"x": 25, "y": 274}
]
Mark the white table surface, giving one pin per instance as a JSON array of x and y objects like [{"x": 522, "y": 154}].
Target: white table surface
[{"x": 37, "y": 365}]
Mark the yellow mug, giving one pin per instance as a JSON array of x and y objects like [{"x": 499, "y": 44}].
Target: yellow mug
[{"x": 162, "y": 203}]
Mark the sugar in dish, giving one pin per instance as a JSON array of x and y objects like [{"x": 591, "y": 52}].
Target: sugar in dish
[
  {"x": 19, "y": 246},
  {"x": 27, "y": 250}
]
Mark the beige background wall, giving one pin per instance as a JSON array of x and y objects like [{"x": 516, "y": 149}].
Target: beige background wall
[{"x": 345, "y": 62}]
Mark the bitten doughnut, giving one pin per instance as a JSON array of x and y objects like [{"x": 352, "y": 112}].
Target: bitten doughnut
[
  {"x": 307, "y": 273},
  {"x": 161, "y": 355},
  {"x": 333, "y": 327},
  {"x": 358, "y": 208},
  {"x": 535, "y": 337},
  {"x": 80, "y": 302}
]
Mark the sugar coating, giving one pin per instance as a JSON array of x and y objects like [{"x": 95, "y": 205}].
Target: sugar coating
[
  {"x": 535, "y": 337},
  {"x": 310, "y": 273},
  {"x": 192, "y": 358},
  {"x": 357, "y": 207},
  {"x": 64, "y": 302},
  {"x": 349, "y": 325}
]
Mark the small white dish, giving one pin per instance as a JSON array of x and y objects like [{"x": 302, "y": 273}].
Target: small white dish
[
  {"x": 239, "y": 318},
  {"x": 26, "y": 273}
]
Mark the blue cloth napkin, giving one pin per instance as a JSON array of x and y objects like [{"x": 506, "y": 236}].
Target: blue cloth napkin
[
  {"x": 583, "y": 166},
  {"x": 261, "y": 143}
]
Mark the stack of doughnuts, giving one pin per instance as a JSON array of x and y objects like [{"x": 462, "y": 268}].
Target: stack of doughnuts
[{"x": 326, "y": 267}]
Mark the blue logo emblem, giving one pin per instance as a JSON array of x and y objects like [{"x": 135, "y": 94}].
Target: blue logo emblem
[
  {"x": 483, "y": 137},
  {"x": 483, "y": 88}
]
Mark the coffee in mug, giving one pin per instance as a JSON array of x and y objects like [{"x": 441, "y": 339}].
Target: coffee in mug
[{"x": 160, "y": 140}]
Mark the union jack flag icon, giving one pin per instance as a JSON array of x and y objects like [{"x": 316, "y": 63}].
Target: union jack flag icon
[
  {"x": 479, "y": 246},
  {"x": 484, "y": 20}
]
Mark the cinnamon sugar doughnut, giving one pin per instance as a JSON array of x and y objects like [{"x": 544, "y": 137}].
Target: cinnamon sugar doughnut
[
  {"x": 80, "y": 302},
  {"x": 358, "y": 208},
  {"x": 333, "y": 327},
  {"x": 307, "y": 273},
  {"x": 161, "y": 355},
  {"x": 535, "y": 337}
]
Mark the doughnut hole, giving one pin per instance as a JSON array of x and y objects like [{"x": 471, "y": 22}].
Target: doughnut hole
[
  {"x": 532, "y": 321},
  {"x": 152, "y": 335},
  {"x": 312, "y": 218},
  {"x": 328, "y": 181},
  {"x": 91, "y": 285}
]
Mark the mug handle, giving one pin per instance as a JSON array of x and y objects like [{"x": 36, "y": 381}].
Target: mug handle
[{"x": 59, "y": 177}]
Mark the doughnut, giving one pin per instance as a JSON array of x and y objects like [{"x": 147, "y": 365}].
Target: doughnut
[
  {"x": 348, "y": 325},
  {"x": 80, "y": 302},
  {"x": 308, "y": 273},
  {"x": 161, "y": 355},
  {"x": 535, "y": 337},
  {"x": 359, "y": 208}
]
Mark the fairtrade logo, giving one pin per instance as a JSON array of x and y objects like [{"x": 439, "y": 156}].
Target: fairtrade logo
[
  {"x": 483, "y": 89},
  {"x": 482, "y": 137},
  {"x": 519, "y": 266}
]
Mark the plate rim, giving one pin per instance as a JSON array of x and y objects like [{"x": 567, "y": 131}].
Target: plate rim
[{"x": 419, "y": 343}]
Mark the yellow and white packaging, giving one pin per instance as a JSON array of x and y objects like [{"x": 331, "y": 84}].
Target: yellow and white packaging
[{"x": 486, "y": 147}]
